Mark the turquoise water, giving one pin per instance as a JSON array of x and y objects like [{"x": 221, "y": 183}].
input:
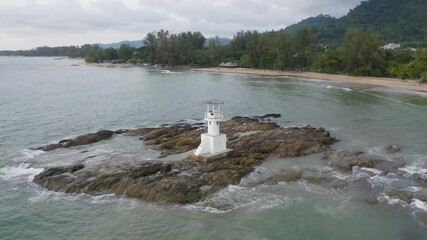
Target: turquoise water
[{"x": 44, "y": 100}]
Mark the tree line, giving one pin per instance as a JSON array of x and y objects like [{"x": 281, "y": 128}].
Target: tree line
[
  {"x": 360, "y": 54},
  {"x": 65, "y": 51}
]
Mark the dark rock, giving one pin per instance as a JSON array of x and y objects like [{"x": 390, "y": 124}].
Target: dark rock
[
  {"x": 50, "y": 147},
  {"x": 346, "y": 160},
  {"x": 390, "y": 149},
  {"x": 80, "y": 140},
  {"x": 90, "y": 138},
  {"x": 146, "y": 170},
  {"x": 422, "y": 195},
  {"x": 166, "y": 168},
  {"x": 121, "y": 131},
  {"x": 371, "y": 200},
  {"x": 77, "y": 167},
  {"x": 271, "y": 115},
  {"x": 390, "y": 166},
  {"x": 400, "y": 194},
  {"x": 145, "y": 180},
  {"x": 285, "y": 175},
  {"x": 55, "y": 171},
  {"x": 289, "y": 175},
  {"x": 324, "y": 180}
]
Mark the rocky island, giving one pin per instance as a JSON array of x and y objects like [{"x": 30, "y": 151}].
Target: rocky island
[{"x": 252, "y": 140}]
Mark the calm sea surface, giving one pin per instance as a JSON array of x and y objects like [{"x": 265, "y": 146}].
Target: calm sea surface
[{"x": 43, "y": 100}]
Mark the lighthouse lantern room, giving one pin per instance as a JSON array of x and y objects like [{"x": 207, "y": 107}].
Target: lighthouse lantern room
[{"x": 213, "y": 142}]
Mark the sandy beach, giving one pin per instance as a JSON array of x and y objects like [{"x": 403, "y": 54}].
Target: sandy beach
[{"x": 367, "y": 81}]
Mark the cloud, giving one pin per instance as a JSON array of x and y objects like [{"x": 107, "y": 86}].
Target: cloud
[{"x": 31, "y": 23}]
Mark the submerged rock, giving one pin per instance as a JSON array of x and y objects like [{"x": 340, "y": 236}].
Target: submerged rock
[
  {"x": 187, "y": 181},
  {"x": 322, "y": 178},
  {"x": 390, "y": 166},
  {"x": 390, "y": 149},
  {"x": 371, "y": 200},
  {"x": 285, "y": 175},
  {"x": 422, "y": 195},
  {"x": 403, "y": 195},
  {"x": 422, "y": 217},
  {"x": 79, "y": 140},
  {"x": 346, "y": 160}
]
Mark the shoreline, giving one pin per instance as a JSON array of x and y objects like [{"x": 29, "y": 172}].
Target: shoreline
[{"x": 392, "y": 83}]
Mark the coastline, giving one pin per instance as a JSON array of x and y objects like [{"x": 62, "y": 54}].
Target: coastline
[{"x": 393, "y": 83}]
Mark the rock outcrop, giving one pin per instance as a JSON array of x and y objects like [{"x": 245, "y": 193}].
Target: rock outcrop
[
  {"x": 186, "y": 181},
  {"x": 79, "y": 140},
  {"x": 346, "y": 160}
]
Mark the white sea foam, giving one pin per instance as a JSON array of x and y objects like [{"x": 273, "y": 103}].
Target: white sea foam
[
  {"x": 413, "y": 188},
  {"x": 390, "y": 200},
  {"x": 314, "y": 188},
  {"x": 372, "y": 170},
  {"x": 339, "y": 88},
  {"x": 379, "y": 181},
  {"x": 357, "y": 174},
  {"x": 416, "y": 203},
  {"x": 21, "y": 170},
  {"x": 236, "y": 197},
  {"x": 166, "y": 71},
  {"x": 28, "y": 154},
  {"x": 411, "y": 170},
  {"x": 43, "y": 195},
  {"x": 258, "y": 175}
]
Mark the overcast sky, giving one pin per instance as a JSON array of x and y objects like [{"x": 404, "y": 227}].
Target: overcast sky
[{"x": 26, "y": 24}]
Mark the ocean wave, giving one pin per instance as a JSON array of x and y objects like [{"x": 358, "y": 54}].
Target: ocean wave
[
  {"x": 389, "y": 200},
  {"x": 314, "y": 188},
  {"x": 165, "y": 71},
  {"x": 339, "y": 88},
  {"x": 418, "y": 204},
  {"x": 380, "y": 181},
  {"x": 236, "y": 197},
  {"x": 372, "y": 170},
  {"x": 411, "y": 170},
  {"x": 28, "y": 154},
  {"x": 413, "y": 189},
  {"x": 401, "y": 91},
  {"x": 22, "y": 170},
  {"x": 43, "y": 195}
]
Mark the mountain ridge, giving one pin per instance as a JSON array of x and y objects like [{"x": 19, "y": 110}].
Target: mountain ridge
[{"x": 396, "y": 20}]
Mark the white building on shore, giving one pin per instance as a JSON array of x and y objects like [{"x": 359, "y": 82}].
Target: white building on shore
[{"x": 392, "y": 46}]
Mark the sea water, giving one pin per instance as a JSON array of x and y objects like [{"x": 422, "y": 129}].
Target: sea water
[{"x": 43, "y": 100}]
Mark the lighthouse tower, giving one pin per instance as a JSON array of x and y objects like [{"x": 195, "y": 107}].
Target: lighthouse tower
[{"x": 213, "y": 142}]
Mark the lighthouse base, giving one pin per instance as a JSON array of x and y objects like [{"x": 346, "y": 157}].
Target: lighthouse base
[
  {"x": 212, "y": 144},
  {"x": 208, "y": 157}
]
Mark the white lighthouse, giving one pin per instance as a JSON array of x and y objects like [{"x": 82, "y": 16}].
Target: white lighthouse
[{"x": 213, "y": 142}]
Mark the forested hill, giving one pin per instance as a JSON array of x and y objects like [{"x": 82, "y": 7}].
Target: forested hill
[
  {"x": 396, "y": 20},
  {"x": 314, "y": 23}
]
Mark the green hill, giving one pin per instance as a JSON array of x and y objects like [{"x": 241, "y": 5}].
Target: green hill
[
  {"x": 311, "y": 22},
  {"x": 396, "y": 20}
]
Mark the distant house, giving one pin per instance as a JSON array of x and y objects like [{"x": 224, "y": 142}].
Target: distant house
[
  {"x": 228, "y": 65},
  {"x": 392, "y": 46}
]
